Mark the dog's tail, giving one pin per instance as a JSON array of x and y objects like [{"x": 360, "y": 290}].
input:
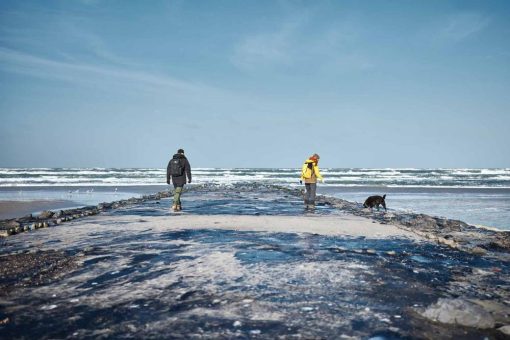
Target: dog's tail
[{"x": 384, "y": 197}]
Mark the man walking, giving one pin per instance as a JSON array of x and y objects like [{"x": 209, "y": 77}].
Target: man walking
[
  {"x": 178, "y": 168},
  {"x": 310, "y": 173}
]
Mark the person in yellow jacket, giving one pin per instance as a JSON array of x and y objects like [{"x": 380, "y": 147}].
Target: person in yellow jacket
[{"x": 310, "y": 173}]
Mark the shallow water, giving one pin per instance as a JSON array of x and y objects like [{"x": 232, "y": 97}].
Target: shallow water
[
  {"x": 486, "y": 207},
  {"x": 231, "y": 202},
  {"x": 137, "y": 282}
]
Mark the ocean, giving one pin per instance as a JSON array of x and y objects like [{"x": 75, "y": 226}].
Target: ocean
[{"x": 476, "y": 196}]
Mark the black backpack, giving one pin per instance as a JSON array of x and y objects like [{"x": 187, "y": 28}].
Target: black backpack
[{"x": 176, "y": 167}]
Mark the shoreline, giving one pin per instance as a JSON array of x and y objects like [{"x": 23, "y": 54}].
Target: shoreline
[
  {"x": 453, "y": 233},
  {"x": 314, "y": 274},
  {"x": 433, "y": 202},
  {"x": 10, "y": 209}
]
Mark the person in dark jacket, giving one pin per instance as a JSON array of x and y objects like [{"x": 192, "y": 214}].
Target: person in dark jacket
[{"x": 178, "y": 169}]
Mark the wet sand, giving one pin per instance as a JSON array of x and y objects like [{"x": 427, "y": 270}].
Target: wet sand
[
  {"x": 335, "y": 225},
  {"x": 12, "y": 209}
]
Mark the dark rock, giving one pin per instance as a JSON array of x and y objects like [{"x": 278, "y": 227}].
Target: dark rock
[
  {"x": 12, "y": 224},
  {"x": 46, "y": 214}
]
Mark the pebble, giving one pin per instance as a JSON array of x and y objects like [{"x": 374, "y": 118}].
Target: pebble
[
  {"x": 478, "y": 251},
  {"x": 307, "y": 309},
  {"x": 237, "y": 323},
  {"x": 255, "y": 331},
  {"x": 482, "y": 272},
  {"x": 505, "y": 329},
  {"x": 49, "y": 307}
]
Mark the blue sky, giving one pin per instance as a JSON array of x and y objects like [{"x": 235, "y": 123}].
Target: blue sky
[{"x": 255, "y": 83}]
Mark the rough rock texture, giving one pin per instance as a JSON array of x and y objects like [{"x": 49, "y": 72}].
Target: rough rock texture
[
  {"x": 33, "y": 269},
  {"x": 459, "y": 312},
  {"x": 453, "y": 233},
  {"x": 46, "y": 214},
  {"x": 505, "y": 329}
]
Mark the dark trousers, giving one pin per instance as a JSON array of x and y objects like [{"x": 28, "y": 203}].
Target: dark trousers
[
  {"x": 177, "y": 195},
  {"x": 311, "y": 189}
]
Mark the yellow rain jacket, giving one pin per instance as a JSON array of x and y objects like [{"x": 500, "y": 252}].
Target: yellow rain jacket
[{"x": 310, "y": 175}]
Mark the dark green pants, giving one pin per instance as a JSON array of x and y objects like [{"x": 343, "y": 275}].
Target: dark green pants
[{"x": 177, "y": 195}]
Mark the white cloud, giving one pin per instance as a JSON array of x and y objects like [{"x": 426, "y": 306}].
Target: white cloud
[
  {"x": 23, "y": 63},
  {"x": 269, "y": 48},
  {"x": 303, "y": 42}
]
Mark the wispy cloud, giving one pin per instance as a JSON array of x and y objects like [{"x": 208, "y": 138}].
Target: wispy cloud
[
  {"x": 464, "y": 25},
  {"x": 268, "y": 48},
  {"x": 303, "y": 42},
  {"x": 457, "y": 27},
  {"x": 89, "y": 74}
]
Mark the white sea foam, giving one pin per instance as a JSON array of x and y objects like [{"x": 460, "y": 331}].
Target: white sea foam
[{"x": 349, "y": 177}]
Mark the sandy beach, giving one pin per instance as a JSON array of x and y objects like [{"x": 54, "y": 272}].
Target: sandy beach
[
  {"x": 11, "y": 209},
  {"x": 248, "y": 262}
]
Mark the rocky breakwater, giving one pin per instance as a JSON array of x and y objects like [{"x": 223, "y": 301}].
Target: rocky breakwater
[
  {"x": 52, "y": 218},
  {"x": 453, "y": 233},
  {"x": 471, "y": 300}
]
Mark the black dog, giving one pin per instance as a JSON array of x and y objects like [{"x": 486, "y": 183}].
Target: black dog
[{"x": 375, "y": 201}]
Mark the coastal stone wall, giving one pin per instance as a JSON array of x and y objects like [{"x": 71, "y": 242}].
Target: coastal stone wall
[{"x": 453, "y": 233}]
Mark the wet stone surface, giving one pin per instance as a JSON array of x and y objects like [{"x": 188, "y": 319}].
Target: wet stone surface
[
  {"x": 141, "y": 283},
  {"x": 220, "y": 283},
  {"x": 233, "y": 201}
]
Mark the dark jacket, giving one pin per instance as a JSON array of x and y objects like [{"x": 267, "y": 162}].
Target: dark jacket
[{"x": 179, "y": 181}]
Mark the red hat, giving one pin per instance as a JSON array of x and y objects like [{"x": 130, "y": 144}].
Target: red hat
[{"x": 315, "y": 157}]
